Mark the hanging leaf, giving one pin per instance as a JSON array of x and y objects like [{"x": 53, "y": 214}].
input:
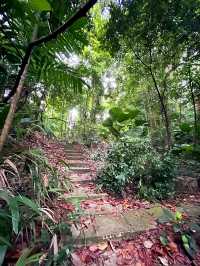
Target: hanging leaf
[
  {"x": 26, "y": 259},
  {"x": 39, "y": 5},
  {"x": 14, "y": 208},
  {"x": 3, "y": 250},
  {"x": 29, "y": 203}
]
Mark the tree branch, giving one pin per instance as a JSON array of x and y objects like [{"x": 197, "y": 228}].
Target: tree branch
[{"x": 53, "y": 35}]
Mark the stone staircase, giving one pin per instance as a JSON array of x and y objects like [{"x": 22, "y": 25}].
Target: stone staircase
[
  {"x": 79, "y": 173},
  {"x": 110, "y": 222}
]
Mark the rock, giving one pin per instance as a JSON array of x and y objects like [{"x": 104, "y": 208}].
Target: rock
[
  {"x": 148, "y": 244},
  {"x": 186, "y": 184}
]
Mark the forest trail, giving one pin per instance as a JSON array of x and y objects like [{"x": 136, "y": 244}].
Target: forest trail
[
  {"x": 110, "y": 231},
  {"x": 104, "y": 218}
]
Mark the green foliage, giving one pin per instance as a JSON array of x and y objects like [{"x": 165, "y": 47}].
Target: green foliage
[
  {"x": 133, "y": 162},
  {"x": 117, "y": 114},
  {"x": 184, "y": 134},
  {"x": 26, "y": 258},
  {"x": 118, "y": 120},
  {"x": 42, "y": 5},
  {"x": 185, "y": 231},
  {"x": 185, "y": 127},
  {"x": 17, "y": 212},
  {"x": 189, "y": 151},
  {"x": 99, "y": 155},
  {"x": 4, "y": 108}
]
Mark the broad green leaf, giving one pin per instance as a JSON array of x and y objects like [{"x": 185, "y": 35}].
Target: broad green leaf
[
  {"x": 185, "y": 239},
  {"x": 3, "y": 240},
  {"x": 118, "y": 115},
  {"x": 133, "y": 112},
  {"x": 14, "y": 208},
  {"x": 34, "y": 258},
  {"x": 164, "y": 240},
  {"x": 39, "y": 5},
  {"x": 178, "y": 216},
  {"x": 31, "y": 204},
  {"x": 3, "y": 250},
  {"x": 4, "y": 195},
  {"x": 22, "y": 259}
]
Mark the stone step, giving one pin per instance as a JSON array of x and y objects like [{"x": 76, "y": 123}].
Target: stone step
[
  {"x": 73, "y": 151},
  {"x": 70, "y": 146},
  {"x": 80, "y": 170},
  {"x": 74, "y": 157},
  {"x": 81, "y": 179},
  {"x": 124, "y": 225},
  {"x": 115, "y": 227},
  {"x": 76, "y": 197},
  {"x": 77, "y": 164}
]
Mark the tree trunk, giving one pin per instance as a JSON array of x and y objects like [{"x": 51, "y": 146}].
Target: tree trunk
[
  {"x": 195, "y": 114},
  {"x": 164, "y": 112},
  {"x": 16, "y": 97},
  {"x": 197, "y": 105},
  {"x": 167, "y": 124}
]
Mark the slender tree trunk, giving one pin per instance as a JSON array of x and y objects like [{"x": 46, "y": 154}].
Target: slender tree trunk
[
  {"x": 18, "y": 87},
  {"x": 164, "y": 112},
  {"x": 167, "y": 125},
  {"x": 194, "y": 111},
  {"x": 197, "y": 105},
  {"x": 149, "y": 117},
  {"x": 16, "y": 97}
]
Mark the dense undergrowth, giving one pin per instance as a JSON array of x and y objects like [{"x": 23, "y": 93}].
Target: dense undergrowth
[
  {"x": 134, "y": 165},
  {"x": 31, "y": 227}
]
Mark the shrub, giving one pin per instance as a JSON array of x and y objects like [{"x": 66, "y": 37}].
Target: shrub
[{"x": 134, "y": 163}]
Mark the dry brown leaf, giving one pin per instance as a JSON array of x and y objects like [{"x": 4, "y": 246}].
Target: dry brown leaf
[
  {"x": 102, "y": 246},
  {"x": 3, "y": 179},
  {"x": 12, "y": 165},
  {"x": 173, "y": 247}
]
